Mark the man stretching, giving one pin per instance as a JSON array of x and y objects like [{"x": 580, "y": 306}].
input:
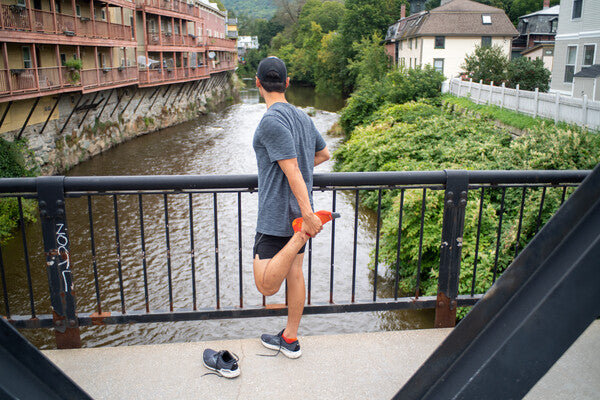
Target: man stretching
[{"x": 287, "y": 146}]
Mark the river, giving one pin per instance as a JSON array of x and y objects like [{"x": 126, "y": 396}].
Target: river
[{"x": 217, "y": 143}]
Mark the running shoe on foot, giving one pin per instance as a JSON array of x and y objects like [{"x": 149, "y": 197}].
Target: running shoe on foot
[
  {"x": 276, "y": 342},
  {"x": 222, "y": 362}
]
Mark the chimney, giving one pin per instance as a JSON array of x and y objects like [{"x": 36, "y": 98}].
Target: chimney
[
  {"x": 403, "y": 11},
  {"x": 546, "y": 4}
]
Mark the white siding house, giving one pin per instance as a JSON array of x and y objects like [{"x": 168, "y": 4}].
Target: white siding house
[
  {"x": 577, "y": 46},
  {"x": 443, "y": 36}
]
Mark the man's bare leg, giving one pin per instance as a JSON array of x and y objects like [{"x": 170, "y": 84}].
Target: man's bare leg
[
  {"x": 270, "y": 273},
  {"x": 296, "y": 293}
]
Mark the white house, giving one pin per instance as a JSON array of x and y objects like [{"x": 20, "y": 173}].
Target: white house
[
  {"x": 576, "y": 48},
  {"x": 443, "y": 36}
]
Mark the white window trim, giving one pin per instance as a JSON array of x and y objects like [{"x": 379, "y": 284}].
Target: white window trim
[
  {"x": 574, "y": 65},
  {"x": 573, "y": 8},
  {"x": 594, "y": 56},
  {"x": 439, "y": 59}
]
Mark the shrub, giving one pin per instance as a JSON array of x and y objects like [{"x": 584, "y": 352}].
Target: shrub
[
  {"x": 416, "y": 136},
  {"x": 528, "y": 74},
  {"x": 486, "y": 63},
  {"x": 13, "y": 164},
  {"x": 398, "y": 86}
]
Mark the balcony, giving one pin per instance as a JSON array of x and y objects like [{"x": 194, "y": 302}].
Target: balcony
[
  {"x": 169, "y": 5},
  {"x": 221, "y": 44},
  {"x": 37, "y": 21},
  {"x": 168, "y": 39},
  {"x": 108, "y": 77},
  {"x": 29, "y": 82},
  {"x": 220, "y": 66},
  {"x": 158, "y": 76}
]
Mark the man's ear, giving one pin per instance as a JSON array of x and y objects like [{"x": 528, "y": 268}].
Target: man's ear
[
  {"x": 287, "y": 82},
  {"x": 257, "y": 82}
]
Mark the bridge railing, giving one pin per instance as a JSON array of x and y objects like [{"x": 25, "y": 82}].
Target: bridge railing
[{"x": 181, "y": 251}]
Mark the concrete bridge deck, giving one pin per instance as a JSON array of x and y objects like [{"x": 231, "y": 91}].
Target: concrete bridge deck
[{"x": 352, "y": 366}]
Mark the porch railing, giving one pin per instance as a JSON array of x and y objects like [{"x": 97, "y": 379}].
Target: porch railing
[
  {"x": 18, "y": 18},
  {"x": 95, "y": 77},
  {"x": 27, "y": 80},
  {"x": 176, "y": 201}
]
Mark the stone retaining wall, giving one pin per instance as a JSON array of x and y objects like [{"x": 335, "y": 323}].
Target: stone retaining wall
[{"x": 92, "y": 123}]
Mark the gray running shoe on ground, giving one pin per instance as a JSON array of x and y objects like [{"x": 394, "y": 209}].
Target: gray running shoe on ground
[
  {"x": 276, "y": 342},
  {"x": 222, "y": 362}
]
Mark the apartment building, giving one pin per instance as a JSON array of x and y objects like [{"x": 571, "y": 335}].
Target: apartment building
[{"x": 53, "y": 48}]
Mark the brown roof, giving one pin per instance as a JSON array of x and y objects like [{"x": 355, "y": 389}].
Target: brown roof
[{"x": 456, "y": 18}]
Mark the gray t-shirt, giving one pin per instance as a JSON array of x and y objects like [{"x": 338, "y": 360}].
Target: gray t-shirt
[{"x": 284, "y": 132}]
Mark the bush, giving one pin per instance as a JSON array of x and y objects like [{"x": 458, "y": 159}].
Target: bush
[
  {"x": 528, "y": 74},
  {"x": 13, "y": 164},
  {"x": 418, "y": 137},
  {"x": 397, "y": 87},
  {"x": 486, "y": 63}
]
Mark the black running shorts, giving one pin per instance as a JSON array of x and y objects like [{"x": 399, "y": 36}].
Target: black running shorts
[{"x": 266, "y": 246}]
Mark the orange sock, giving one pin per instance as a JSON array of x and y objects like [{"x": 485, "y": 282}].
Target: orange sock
[{"x": 289, "y": 341}]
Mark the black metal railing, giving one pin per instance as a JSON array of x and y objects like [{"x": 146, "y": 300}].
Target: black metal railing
[{"x": 128, "y": 261}]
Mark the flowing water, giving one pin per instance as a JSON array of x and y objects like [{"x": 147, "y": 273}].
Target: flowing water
[{"x": 218, "y": 143}]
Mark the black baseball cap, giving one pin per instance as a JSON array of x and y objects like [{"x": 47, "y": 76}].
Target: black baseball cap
[{"x": 272, "y": 64}]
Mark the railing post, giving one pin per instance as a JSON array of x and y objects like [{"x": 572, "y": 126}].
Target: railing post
[
  {"x": 455, "y": 201},
  {"x": 58, "y": 261}
]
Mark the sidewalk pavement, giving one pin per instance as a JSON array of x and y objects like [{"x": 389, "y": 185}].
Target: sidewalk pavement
[{"x": 351, "y": 366}]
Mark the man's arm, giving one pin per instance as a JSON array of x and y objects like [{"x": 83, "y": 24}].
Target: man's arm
[
  {"x": 311, "y": 224},
  {"x": 321, "y": 156}
]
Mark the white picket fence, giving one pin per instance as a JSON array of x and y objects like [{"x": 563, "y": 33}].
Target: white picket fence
[{"x": 553, "y": 106}]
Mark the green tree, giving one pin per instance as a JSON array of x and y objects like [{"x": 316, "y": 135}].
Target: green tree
[
  {"x": 486, "y": 63},
  {"x": 518, "y": 8},
  {"x": 528, "y": 74},
  {"x": 327, "y": 14},
  {"x": 371, "y": 62},
  {"x": 331, "y": 75},
  {"x": 15, "y": 163}
]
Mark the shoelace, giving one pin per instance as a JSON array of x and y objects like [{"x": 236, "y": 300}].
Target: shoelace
[
  {"x": 235, "y": 356},
  {"x": 278, "y": 350}
]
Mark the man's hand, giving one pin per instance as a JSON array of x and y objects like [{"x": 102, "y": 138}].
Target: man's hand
[{"x": 311, "y": 224}]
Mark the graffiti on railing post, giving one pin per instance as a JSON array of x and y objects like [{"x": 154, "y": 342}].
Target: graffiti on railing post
[{"x": 58, "y": 261}]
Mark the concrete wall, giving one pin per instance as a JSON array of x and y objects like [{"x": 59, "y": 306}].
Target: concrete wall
[{"x": 84, "y": 126}]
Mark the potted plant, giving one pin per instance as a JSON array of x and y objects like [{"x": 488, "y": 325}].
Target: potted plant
[{"x": 74, "y": 65}]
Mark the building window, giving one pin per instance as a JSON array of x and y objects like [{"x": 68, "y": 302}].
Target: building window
[
  {"x": 553, "y": 25},
  {"x": 438, "y": 64},
  {"x": 21, "y": 3},
  {"x": 570, "y": 65},
  {"x": 588, "y": 54},
  {"x": 103, "y": 14},
  {"x": 486, "y": 19},
  {"x": 410, "y": 43},
  {"x": 77, "y": 10},
  {"x": 440, "y": 42},
  {"x": 486, "y": 41},
  {"x": 416, "y": 43},
  {"x": 402, "y": 41},
  {"x": 577, "y": 6},
  {"x": 26, "y": 57},
  {"x": 63, "y": 58}
]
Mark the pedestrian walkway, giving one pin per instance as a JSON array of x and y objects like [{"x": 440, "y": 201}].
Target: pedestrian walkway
[{"x": 351, "y": 366}]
